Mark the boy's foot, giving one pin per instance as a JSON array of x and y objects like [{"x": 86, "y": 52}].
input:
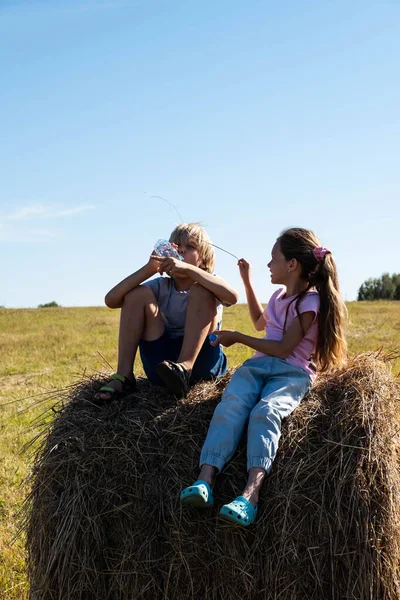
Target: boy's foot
[
  {"x": 117, "y": 387},
  {"x": 175, "y": 377}
]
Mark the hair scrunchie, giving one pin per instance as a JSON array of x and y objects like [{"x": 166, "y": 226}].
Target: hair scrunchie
[{"x": 320, "y": 252}]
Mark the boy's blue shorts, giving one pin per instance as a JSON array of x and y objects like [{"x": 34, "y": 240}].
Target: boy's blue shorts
[{"x": 211, "y": 361}]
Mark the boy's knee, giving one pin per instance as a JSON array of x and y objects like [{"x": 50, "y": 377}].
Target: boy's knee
[{"x": 198, "y": 293}]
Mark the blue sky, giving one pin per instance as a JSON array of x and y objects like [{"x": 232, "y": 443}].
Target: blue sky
[{"x": 248, "y": 116}]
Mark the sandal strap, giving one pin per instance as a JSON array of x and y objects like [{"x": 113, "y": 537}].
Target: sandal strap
[
  {"x": 119, "y": 377},
  {"x": 127, "y": 385},
  {"x": 111, "y": 390}
]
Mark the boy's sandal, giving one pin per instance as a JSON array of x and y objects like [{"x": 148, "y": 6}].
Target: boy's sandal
[
  {"x": 175, "y": 377},
  {"x": 239, "y": 511},
  {"x": 199, "y": 495},
  {"x": 128, "y": 387}
]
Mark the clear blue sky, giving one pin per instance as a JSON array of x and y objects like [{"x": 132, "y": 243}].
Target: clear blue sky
[{"x": 248, "y": 116}]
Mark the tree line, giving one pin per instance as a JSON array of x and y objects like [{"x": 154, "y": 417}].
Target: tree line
[{"x": 386, "y": 287}]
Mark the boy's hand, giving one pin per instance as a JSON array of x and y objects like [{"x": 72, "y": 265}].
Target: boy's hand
[
  {"x": 154, "y": 263},
  {"x": 174, "y": 267},
  {"x": 226, "y": 337},
  {"x": 244, "y": 270}
]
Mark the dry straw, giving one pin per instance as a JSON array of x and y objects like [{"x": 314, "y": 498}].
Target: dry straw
[{"x": 103, "y": 520}]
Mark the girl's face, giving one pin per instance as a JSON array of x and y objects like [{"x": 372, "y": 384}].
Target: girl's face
[{"x": 278, "y": 265}]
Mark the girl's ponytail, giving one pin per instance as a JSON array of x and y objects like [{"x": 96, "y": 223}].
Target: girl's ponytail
[
  {"x": 319, "y": 271},
  {"x": 331, "y": 350}
]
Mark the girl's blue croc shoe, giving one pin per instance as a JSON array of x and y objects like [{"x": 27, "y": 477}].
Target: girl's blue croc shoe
[
  {"x": 239, "y": 511},
  {"x": 199, "y": 494}
]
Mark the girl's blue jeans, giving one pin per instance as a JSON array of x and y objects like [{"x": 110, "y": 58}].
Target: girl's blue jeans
[{"x": 263, "y": 391}]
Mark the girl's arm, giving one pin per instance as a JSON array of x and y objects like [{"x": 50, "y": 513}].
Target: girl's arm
[
  {"x": 115, "y": 297},
  {"x": 280, "y": 349},
  {"x": 254, "y": 305}
]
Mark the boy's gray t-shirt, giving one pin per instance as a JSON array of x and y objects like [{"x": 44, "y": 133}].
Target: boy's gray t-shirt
[{"x": 173, "y": 305}]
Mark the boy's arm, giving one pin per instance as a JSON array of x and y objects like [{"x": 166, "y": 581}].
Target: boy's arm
[
  {"x": 115, "y": 297},
  {"x": 216, "y": 285},
  {"x": 254, "y": 305}
]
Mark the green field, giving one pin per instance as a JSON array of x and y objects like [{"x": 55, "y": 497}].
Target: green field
[{"x": 44, "y": 350}]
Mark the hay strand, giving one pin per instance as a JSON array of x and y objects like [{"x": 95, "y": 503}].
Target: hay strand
[{"x": 103, "y": 519}]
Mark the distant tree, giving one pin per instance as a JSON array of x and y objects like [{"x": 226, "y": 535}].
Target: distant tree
[
  {"x": 396, "y": 282},
  {"x": 366, "y": 291},
  {"x": 386, "y": 287},
  {"x": 48, "y": 305}
]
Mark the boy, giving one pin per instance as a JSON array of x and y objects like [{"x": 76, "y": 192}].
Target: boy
[{"x": 169, "y": 318}]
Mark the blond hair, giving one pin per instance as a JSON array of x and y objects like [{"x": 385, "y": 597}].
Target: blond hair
[
  {"x": 193, "y": 233},
  {"x": 331, "y": 348}
]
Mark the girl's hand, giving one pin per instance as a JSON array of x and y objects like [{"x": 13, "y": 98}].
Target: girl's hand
[
  {"x": 226, "y": 337},
  {"x": 174, "y": 267},
  {"x": 244, "y": 270}
]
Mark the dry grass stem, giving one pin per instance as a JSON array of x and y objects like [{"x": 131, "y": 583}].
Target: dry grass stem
[{"x": 103, "y": 519}]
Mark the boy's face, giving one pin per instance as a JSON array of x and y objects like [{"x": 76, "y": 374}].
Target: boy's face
[{"x": 188, "y": 250}]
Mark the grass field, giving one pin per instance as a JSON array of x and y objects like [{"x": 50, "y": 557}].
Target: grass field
[{"x": 43, "y": 350}]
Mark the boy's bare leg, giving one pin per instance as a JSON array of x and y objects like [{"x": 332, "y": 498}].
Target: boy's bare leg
[
  {"x": 201, "y": 318},
  {"x": 140, "y": 319}
]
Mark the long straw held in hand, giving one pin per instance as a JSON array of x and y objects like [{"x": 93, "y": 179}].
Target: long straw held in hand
[{"x": 177, "y": 212}]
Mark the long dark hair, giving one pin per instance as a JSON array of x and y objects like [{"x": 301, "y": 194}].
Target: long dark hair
[{"x": 331, "y": 347}]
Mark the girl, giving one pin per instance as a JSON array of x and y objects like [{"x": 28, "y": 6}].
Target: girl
[{"x": 304, "y": 324}]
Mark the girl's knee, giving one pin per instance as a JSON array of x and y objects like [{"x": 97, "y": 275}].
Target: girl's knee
[
  {"x": 231, "y": 405},
  {"x": 264, "y": 412}
]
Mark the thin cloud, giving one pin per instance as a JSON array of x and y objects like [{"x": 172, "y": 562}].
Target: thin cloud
[
  {"x": 17, "y": 235},
  {"x": 16, "y": 227},
  {"x": 27, "y": 213},
  {"x": 75, "y": 211},
  {"x": 35, "y": 212}
]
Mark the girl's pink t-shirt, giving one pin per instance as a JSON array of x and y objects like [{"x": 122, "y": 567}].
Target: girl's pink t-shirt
[{"x": 275, "y": 314}]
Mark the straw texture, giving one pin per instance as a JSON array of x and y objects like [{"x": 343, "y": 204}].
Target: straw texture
[{"x": 103, "y": 520}]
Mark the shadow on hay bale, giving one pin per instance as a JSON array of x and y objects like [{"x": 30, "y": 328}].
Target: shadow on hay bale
[{"x": 103, "y": 519}]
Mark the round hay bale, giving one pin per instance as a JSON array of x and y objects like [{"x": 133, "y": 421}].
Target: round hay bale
[{"x": 103, "y": 520}]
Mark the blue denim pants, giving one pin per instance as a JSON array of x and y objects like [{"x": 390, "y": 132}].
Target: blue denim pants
[{"x": 263, "y": 391}]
